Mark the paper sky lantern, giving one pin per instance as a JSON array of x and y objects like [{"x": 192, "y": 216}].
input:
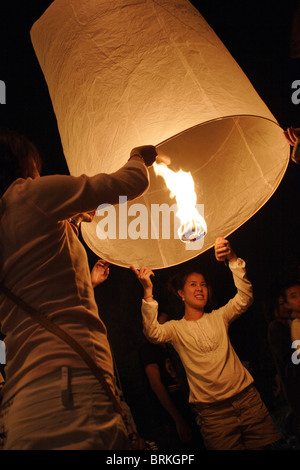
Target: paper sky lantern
[{"x": 122, "y": 74}]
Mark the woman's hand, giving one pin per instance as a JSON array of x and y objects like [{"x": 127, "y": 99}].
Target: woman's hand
[
  {"x": 223, "y": 250},
  {"x": 144, "y": 276}
]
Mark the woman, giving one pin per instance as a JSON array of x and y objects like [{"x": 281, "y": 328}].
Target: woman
[
  {"x": 50, "y": 399},
  {"x": 230, "y": 412}
]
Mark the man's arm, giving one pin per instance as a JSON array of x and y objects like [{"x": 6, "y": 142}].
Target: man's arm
[
  {"x": 61, "y": 197},
  {"x": 156, "y": 384}
]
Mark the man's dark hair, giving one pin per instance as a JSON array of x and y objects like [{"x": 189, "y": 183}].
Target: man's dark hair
[
  {"x": 17, "y": 158},
  {"x": 287, "y": 286}
]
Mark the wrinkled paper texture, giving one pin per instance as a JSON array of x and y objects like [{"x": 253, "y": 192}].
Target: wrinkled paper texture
[{"x": 122, "y": 74}]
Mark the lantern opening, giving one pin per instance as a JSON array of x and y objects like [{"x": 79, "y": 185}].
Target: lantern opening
[
  {"x": 181, "y": 186},
  {"x": 192, "y": 230}
]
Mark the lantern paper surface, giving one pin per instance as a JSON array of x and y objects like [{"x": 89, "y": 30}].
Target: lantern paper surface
[{"x": 122, "y": 74}]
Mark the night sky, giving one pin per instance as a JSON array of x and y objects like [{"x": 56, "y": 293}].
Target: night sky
[{"x": 257, "y": 34}]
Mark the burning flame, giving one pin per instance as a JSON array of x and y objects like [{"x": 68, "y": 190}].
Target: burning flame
[{"x": 181, "y": 186}]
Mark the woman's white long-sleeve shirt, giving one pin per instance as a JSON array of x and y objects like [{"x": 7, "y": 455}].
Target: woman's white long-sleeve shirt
[{"x": 213, "y": 369}]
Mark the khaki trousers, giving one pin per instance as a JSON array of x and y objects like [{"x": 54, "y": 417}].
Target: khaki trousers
[
  {"x": 65, "y": 410},
  {"x": 238, "y": 423}
]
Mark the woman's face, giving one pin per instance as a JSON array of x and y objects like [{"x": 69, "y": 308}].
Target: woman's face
[
  {"x": 282, "y": 311},
  {"x": 195, "y": 291},
  {"x": 293, "y": 298}
]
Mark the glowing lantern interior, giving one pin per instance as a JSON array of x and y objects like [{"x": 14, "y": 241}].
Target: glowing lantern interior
[
  {"x": 122, "y": 74},
  {"x": 181, "y": 185}
]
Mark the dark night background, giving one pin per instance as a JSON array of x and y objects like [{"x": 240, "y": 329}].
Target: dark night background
[{"x": 257, "y": 34}]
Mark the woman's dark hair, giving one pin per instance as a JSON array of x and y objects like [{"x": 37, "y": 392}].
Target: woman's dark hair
[
  {"x": 178, "y": 281},
  {"x": 18, "y": 155}
]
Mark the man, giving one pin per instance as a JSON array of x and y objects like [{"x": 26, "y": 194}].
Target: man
[{"x": 44, "y": 264}]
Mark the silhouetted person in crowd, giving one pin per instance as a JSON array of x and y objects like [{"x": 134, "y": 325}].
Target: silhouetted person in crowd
[{"x": 173, "y": 421}]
